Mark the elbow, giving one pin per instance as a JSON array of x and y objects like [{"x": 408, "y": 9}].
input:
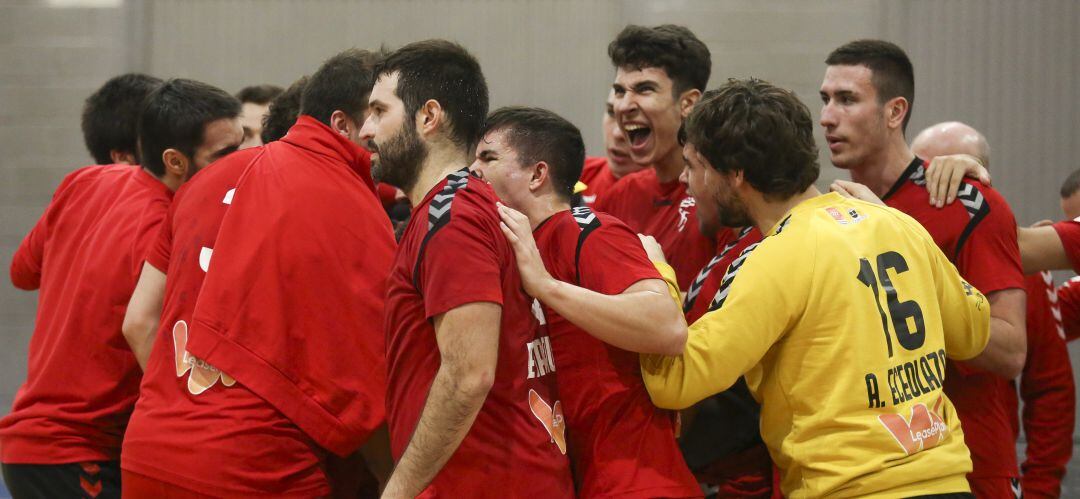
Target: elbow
[
  {"x": 674, "y": 339},
  {"x": 475, "y": 384},
  {"x": 1013, "y": 364},
  {"x": 134, "y": 330},
  {"x": 25, "y": 281}
]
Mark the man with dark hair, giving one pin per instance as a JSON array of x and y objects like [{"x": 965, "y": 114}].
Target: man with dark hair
[
  {"x": 256, "y": 104},
  {"x": 600, "y": 173},
  {"x": 660, "y": 73},
  {"x": 283, "y": 112},
  {"x": 867, "y": 92},
  {"x": 109, "y": 118},
  {"x": 622, "y": 446},
  {"x": 470, "y": 390},
  {"x": 63, "y": 435},
  {"x": 222, "y": 373}
]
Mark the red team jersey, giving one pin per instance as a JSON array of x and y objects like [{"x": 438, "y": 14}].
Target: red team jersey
[
  {"x": 1047, "y": 391},
  {"x": 597, "y": 178},
  {"x": 453, "y": 253},
  {"x": 1069, "y": 232},
  {"x": 620, "y": 443},
  {"x": 185, "y": 407},
  {"x": 699, "y": 298},
  {"x": 85, "y": 253},
  {"x": 978, "y": 235},
  {"x": 666, "y": 212}
]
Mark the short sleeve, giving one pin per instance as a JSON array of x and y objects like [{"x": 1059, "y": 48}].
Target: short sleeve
[
  {"x": 965, "y": 312},
  {"x": 463, "y": 261},
  {"x": 1068, "y": 295},
  {"x": 612, "y": 259},
  {"x": 1069, "y": 232},
  {"x": 989, "y": 258},
  {"x": 161, "y": 248}
]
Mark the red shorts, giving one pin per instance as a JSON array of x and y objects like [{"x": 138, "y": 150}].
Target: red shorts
[
  {"x": 137, "y": 486},
  {"x": 996, "y": 488}
]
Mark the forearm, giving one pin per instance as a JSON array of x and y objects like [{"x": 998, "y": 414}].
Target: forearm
[
  {"x": 1041, "y": 249},
  {"x": 655, "y": 326},
  {"x": 140, "y": 334},
  {"x": 448, "y": 414}
]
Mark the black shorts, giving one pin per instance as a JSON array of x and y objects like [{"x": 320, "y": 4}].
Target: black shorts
[{"x": 99, "y": 479}]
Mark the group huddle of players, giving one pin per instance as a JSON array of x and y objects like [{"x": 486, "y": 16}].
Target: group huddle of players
[{"x": 394, "y": 292}]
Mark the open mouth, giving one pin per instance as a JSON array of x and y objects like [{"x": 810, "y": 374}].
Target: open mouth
[{"x": 637, "y": 134}]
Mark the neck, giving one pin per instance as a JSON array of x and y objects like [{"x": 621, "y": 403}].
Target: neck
[
  {"x": 171, "y": 181},
  {"x": 542, "y": 207},
  {"x": 766, "y": 213},
  {"x": 670, "y": 167},
  {"x": 439, "y": 162},
  {"x": 881, "y": 171}
]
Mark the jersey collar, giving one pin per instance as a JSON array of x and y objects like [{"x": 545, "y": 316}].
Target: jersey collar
[
  {"x": 312, "y": 135},
  {"x": 912, "y": 167}
]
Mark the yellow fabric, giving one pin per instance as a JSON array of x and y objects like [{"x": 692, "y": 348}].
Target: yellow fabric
[
  {"x": 805, "y": 330},
  {"x": 580, "y": 187},
  {"x": 671, "y": 280}
]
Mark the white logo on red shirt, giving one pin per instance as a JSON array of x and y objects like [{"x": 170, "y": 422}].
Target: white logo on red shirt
[
  {"x": 203, "y": 375},
  {"x": 541, "y": 360},
  {"x": 684, "y": 211}
]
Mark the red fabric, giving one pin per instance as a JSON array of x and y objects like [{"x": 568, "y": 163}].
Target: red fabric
[
  {"x": 85, "y": 253},
  {"x": 666, "y": 212},
  {"x": 989, "y": 259},
  {"x": 995, "y": 487},
  {"x": 711, "y": 277},
  {"x": 1047, "y": 391},
  {"x": 748, "y": 474},
  {"x": 598, "y": 179},
  {"x": 467, "y": 259},
  {"x": 1069, "y": 232},
  {"x": 139, "y": 486},
  {"x": 387, "y": 195},
  {"x": 621, "y": 444},
  {"x": 230, "y": 423},
  {"x": 292, "y": 304},
  {"x": 1068, "y": 295}
]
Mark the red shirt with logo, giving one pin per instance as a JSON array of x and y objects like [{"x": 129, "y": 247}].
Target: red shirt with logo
[
  {"x": 666, "y": 212},
  {"x": 978, "y": 234},
  {"x": 1047, "y": 391},
  {"x": 699, "y": 298},
  {"x": 1068, "y": 295},
  {"x": 193, "y": 425},
  {"x": 85, "y": 255},
  {"x": 598, "y": 179},
  {"x": 453, "y": 253},
  {"x": 620, "y": 443}
]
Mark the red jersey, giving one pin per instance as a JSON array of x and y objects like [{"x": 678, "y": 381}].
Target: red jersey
[
  {"x": 1068, "y": 300},
  {"x": 453, "y": 253},
  {"x": 186, "y": 404},
  {"x": 293, "y": 298},
  {"x": 1048, "y": 393},
  {"x": 666, "y": 212},
  {"x": 85, "y": 253},
  {"x": 978, "y": 235},
  {"x": 1069, "y": 232},
  {"x": 621, "y": 444},
  {"x": 699, "y": 298},
  {"x": 598, "y": 179}
]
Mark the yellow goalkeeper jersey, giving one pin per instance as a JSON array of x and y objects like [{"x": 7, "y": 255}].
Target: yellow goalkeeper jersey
[{"x": 841, "y": 320}]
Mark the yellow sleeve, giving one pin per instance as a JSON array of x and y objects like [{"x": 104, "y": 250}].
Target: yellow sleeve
[
  {"x": 672, "y": 281},
  {"x": 766, "y": 295},
  {"x": 965, "y": 312}
]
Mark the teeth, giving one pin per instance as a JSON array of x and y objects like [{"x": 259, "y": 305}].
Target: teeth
[{"x": 634, "y": 128}]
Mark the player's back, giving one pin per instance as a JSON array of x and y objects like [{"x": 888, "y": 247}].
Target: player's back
[{"x": 846, "y": 312}]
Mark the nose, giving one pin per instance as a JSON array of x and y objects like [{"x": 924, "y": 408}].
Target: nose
[
  {"x": 828, "y": 116},
  {"x": 623, "y": 105},
  {"x": 367, "y": 131},
  {"x": 684, "y": 175}
]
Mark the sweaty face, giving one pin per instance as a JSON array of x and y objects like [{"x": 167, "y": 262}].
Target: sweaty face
[
  {"x": 220, "y": 138},
  {"x": 853, "y": 119},
  {"x": 251, "y": 118},
  {"x": 391, "y": 136},
  {"x": 718, "y": 204},
  {"x": 497, "y": 163},
  {"x": 615, "y": 143},
  {"x": 647, "y": 112}
]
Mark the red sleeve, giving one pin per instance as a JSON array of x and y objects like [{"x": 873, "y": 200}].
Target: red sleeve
[
  {"x": 1046, "y": 388},
  {"x": 28, "y": 259},
  {"x": 1069, "y": 232},
  {"x": 989, "y": 257},
  {"x": 1069, "y": 302},
  {"x": 612, "y": 259},
  {"x": 463, "y": 261},
  {"x": 161, "y": 247}
]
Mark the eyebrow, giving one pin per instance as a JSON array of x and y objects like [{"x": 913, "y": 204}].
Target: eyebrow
[{"x": 225, "y": 151}]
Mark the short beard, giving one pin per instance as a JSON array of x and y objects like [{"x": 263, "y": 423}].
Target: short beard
[
  {"x": 732, "y": 211},
  {"x": 399, "y": 159}
]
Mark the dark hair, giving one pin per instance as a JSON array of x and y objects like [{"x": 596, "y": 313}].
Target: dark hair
[
  {"x": 893, "y": 75},
  {"x": 675, "y": 49},
  {"x": 759, "y": 129},
  {"x": 258, "y": 94},
  {"x": 445, "y": 72},
  {"x": 1071, "y": 185},
  {"x": 283, "y": 112},
  {"x": 540, "y": 135},
  {"x": 111, "y": 113},
  {"x": 175, "y": 117},
  {"x": 342, "y": 83}
]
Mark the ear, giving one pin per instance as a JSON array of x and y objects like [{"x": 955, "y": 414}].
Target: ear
[
  {"x": 176, "y": 163},
  {"x": 895, "y": 111},
  {"x": 687, "y": 101},
  {"x": 341, "y": 123},
  {"x": 122, "y": 157},
  {"x": 430, "y": 117},
  {"x": 541, "y": 173}
]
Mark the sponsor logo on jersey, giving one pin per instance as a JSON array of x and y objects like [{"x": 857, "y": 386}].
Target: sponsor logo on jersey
[
  {"x": 684, "y": 211},
  {"x": 925, "y": 429},
  {"x": 551, "y": 416},
  {"x": 203, "y": 375}
]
